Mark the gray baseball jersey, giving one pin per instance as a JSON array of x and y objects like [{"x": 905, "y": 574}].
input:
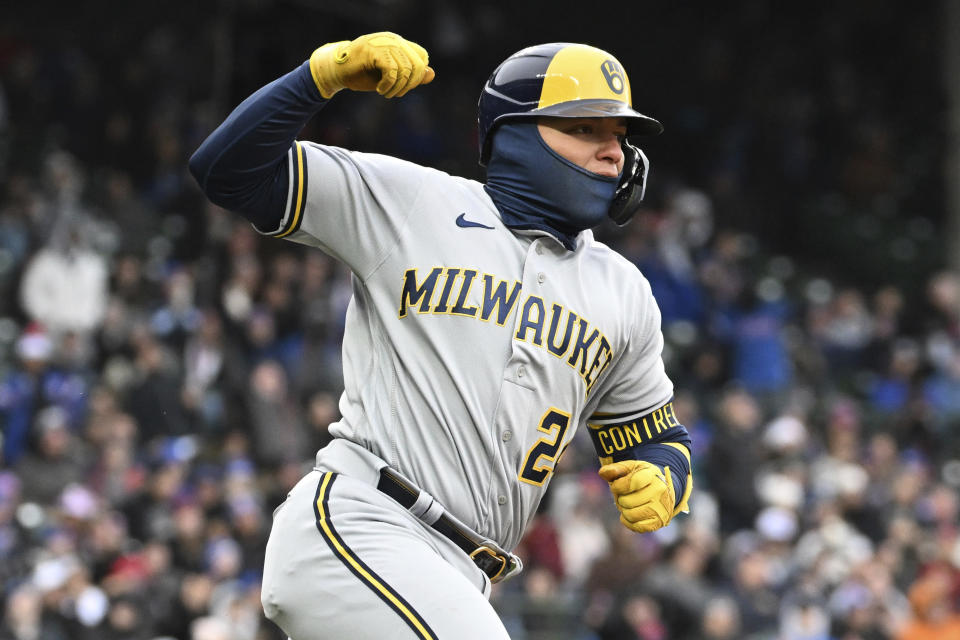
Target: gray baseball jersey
[{"x": 472, "y": 353}]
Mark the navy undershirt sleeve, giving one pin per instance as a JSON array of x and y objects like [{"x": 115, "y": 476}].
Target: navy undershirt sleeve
[{"x": 242, "y": 166}]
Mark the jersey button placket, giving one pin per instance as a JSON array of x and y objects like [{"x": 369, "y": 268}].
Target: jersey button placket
[
  {"x": 519, "y": 374},
  {"x": 501, "y": 500}
]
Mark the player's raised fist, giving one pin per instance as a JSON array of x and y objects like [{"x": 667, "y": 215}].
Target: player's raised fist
[{"x": 383, "y": 62}]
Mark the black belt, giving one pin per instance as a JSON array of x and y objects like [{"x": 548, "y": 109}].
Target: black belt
[{"x": 488, "y": 557}]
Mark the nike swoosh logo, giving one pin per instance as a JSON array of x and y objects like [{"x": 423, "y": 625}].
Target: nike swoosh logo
[{"x": 466, "y": 224}]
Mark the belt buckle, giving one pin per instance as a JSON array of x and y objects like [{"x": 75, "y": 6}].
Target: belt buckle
[
  {"x": 484, "y": 562},
  {"x": 506, "y": 565}
]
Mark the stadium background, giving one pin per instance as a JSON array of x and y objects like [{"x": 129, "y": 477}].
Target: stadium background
[{"x": 166, "y": 374}]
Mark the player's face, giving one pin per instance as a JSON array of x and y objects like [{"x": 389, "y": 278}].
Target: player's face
[{"x": 591, "y": 143}]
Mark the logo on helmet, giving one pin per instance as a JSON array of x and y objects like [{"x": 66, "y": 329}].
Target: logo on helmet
[{"x": 613, "y": 74}]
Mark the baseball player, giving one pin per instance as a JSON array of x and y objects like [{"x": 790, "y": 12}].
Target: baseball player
[{"x": 486, "y": 327}]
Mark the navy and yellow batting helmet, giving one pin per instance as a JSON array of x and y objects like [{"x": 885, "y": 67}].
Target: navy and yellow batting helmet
[
  {"x": 569, "y": 80},
  {"x": 560, "y": 79}
]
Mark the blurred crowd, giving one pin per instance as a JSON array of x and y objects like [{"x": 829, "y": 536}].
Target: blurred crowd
[{"x": 166, "y": 374}]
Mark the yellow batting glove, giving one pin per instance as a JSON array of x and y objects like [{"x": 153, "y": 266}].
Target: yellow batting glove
[
  {"x": 383, "y": 62},
  {"x": 642, "y": 492}
]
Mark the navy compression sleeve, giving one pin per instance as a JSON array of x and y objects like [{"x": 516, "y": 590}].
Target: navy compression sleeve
[
  {"x": 644, "y": 438},
  {"x": 242, "y": 165}
]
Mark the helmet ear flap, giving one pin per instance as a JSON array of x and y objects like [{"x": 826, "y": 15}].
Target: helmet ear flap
[{"x": 633, "y": 184}]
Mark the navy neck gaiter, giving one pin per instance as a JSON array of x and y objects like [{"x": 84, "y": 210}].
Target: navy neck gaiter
[{"x": 536, "y": 188}]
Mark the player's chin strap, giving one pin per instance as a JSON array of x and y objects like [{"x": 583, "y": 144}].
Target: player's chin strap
[
  {"x": 496, "y": 562},
  {"x": 632, "y": 186}
]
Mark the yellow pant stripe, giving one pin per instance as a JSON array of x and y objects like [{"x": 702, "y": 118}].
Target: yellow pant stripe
[{"x": 360, "y": 569}]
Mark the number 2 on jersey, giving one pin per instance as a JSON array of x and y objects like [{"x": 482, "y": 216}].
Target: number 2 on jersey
[{"x": 554, "y": 423}]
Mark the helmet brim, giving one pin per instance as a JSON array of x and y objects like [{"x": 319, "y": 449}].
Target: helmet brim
[{"x": 637, "y": 123}]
